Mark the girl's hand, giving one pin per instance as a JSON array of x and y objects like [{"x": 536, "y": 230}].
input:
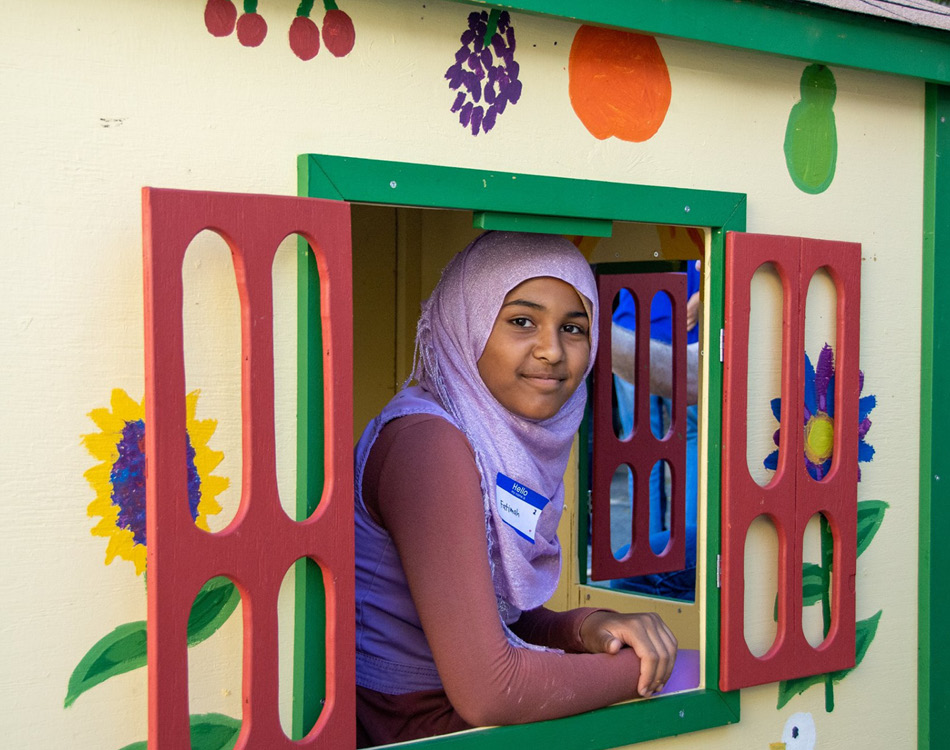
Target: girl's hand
[{"x": 649, "y": 637}]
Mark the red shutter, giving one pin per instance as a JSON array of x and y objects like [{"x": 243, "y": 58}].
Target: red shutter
[
  {"x": 792, "y": 497},
  {"x": 641, "y": 450},
  {"x": 261, "y": 544}
]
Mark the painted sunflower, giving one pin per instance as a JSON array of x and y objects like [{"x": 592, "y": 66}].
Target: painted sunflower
[
  {"x": 820, "y": 417},
  {"x": 119, "y": 480}
]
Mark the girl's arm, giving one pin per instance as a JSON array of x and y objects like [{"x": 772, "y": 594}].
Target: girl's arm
[
  {"x": 554, "y": 629},
  {"x": 430, "y": 501}
]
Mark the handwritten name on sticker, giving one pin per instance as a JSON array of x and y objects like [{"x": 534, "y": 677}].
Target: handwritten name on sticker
[{"x": 519, "y": 506}]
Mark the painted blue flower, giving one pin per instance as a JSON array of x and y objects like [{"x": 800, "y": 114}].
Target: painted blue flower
[{"x": 819, "y": 417}]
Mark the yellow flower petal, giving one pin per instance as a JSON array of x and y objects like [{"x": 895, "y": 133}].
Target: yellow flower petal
[
  {"x": 125, "y": 407},
  {"x": 100, "y": 478},
  {"x": 103, "y": 446},
  {"x": 106, "y": 527},
  {"x": 214, "y": 485},
  {"x": 206, "y": 461},
  {"x": 208, "y": 506},
  {"x": 106, "y": 420},
  {"x": 191, "y": 403}
]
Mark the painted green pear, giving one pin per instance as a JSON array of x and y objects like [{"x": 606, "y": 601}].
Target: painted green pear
[{"x": 811, "y": 139}]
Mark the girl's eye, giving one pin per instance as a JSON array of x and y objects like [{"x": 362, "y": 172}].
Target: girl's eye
[
  {"x": 575, "y": 329},
  {"x": 522, "y": 322}
]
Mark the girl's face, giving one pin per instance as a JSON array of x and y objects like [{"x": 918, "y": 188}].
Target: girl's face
[{"x": 538, "y": 349}]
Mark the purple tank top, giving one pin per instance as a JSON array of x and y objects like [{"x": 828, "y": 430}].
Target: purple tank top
[{"x": 392, "y": 653}]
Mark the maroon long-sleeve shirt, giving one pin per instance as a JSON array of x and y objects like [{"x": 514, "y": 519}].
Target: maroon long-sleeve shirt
[{"x": 440, "y": 538}]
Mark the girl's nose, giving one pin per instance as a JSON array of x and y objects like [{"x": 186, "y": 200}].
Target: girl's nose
[{"x": 548, "y": 346}]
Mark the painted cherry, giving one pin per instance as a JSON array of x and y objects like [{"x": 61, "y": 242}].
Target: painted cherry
[
  {"x": 338, "y": 33},
  {"x": 220, "y": 16},
  {"x": 251, "y": 29},
  {"x": 304, "y": 38}
]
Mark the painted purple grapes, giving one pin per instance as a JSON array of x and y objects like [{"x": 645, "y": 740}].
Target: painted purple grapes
[{"x": 486, "y": 77}]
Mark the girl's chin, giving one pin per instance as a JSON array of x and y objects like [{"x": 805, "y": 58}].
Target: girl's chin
[{"x": 537, "y": 410}]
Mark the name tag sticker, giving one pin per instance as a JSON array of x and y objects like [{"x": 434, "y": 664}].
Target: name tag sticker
[{"x": 519, "y": 506}]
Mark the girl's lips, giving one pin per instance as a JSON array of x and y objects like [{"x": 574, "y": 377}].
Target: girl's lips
[{"x": 544, "y": 381}]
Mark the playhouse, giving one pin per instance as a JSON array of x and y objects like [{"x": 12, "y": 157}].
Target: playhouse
[{"x": 219, "y": 222}]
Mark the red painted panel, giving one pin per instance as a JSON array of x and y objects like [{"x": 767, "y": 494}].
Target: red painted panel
[
  {"x": 642, "y": 449},
  {"x": 257, "y": 549},
  {"x": 792, "y": 497}
]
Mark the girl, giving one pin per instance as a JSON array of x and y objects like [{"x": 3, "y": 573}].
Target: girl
[{"x": 459, "y": 489}]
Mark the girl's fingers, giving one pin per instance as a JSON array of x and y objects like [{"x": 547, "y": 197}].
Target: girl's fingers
[
  {"x": 653, "y": 662},
  {"x": 649, "y": 637},
  {"x": 657, "y": 666},
  {"x": 611, "y": 644},
  {"x": 648, "y": 665}
]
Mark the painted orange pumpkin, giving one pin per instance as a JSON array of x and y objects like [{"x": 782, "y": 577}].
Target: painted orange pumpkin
[{"x": 618, "y": 83}]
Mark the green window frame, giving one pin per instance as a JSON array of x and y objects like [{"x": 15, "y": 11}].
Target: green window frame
[
  {"x": 934, "y": 556},
  {"x": 526, "y": 202}
]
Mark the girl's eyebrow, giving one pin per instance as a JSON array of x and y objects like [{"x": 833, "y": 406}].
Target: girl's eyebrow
[{"x": 539, "y": 306}]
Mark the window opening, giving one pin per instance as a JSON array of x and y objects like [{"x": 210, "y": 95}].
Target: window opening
[
  {"x": 413, "y": 245},
  {"x": 383, "y": 185}
]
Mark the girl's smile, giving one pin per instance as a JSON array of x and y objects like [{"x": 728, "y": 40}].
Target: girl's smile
[{"x": 538, "y": 349}]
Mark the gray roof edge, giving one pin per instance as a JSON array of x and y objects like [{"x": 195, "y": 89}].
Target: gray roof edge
[{"x": 917, "y": 12}]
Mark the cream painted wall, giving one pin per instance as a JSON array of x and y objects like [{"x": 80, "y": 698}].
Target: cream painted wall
[{"x": 103, "y": 97}]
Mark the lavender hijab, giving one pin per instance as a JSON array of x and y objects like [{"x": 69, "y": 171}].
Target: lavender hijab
[{"x": 453, "y": 329}]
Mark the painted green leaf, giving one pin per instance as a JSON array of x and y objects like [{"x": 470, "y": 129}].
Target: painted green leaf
[
  {"x": 492, "y": 28},
  {"x": 870, "y": 518},
  {"x": 208, "y": 732},
  {"x": 865, "y": 631},
  {"x": 125, "y": 648},
  {"x": 788, "y": 689},
  {"x": 812, "y": 587},
  {"x": 120, "y": 651},
  {"x": 214, "y": 604},
  {"x": 812, "y": 584}
]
